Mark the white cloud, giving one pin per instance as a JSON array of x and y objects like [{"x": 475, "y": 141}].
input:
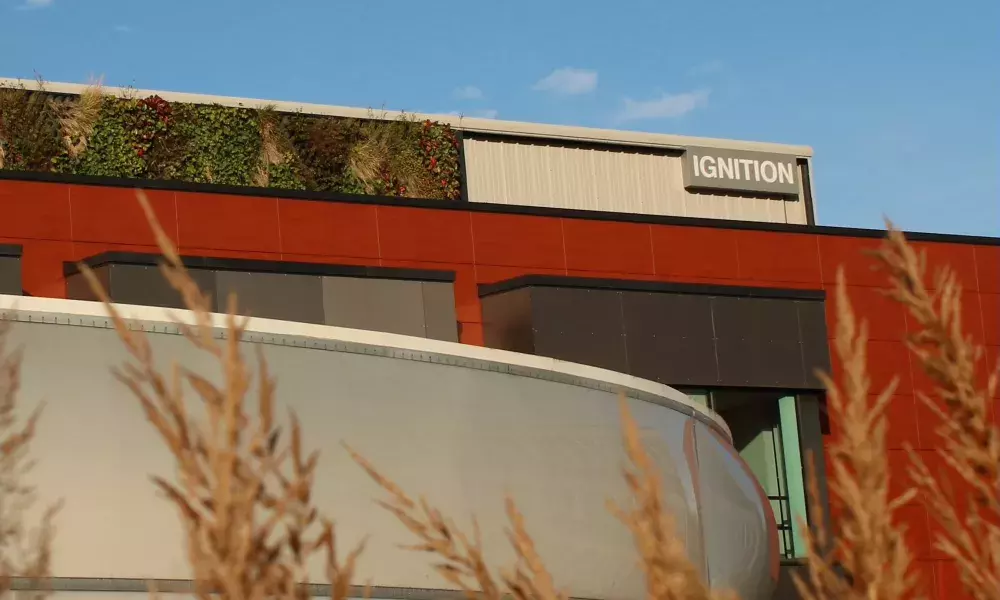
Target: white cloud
[
  {"x": 667, "y": 106},
  {"x": 33, "y": 4},
  {"x": 568, "y": 81},
  {"x": 469, "y": 92}
]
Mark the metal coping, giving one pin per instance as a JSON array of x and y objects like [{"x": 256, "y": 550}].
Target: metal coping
[
  {"x": 262, "y": 266},
  {"x": 628, "y": 285}
]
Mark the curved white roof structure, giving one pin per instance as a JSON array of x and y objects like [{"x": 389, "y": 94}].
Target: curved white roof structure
[{"x": 462, "y": 424}]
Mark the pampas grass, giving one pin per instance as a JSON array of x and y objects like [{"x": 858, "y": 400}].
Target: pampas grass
[
  {"x": 866, "y": 544},
  {"x": 243, "y": 489},
  {"x": 969, "y": 443}
]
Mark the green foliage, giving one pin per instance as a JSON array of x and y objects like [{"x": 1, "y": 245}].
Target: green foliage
[
  {"x": 222, "y": 144},
  {"x": 29, "y": 130},
  {"x": 117, "y": 144},
  {"x": 439, "y": 145},
  {"x": 153, "y": 139}
]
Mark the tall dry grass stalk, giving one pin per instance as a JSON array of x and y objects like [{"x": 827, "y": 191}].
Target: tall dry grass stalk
[
  {"x": 866, "y": 543},
  {"x": 78, "y": 119},
  {"x": 970, "y": 442},
  {"x": 670, "y": 575},
  {"x": 273, "y": 147},
  {"x": 243, "y": 490},
  {"x": 24, "y": 553}
]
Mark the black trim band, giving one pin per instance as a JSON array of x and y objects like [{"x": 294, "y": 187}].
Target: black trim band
[
  {"x": 11, "y": 250},
  {"x": 628, "y": 285},
  {"x": 262, "y": 266},
  {"x": 540, "y": 211}
]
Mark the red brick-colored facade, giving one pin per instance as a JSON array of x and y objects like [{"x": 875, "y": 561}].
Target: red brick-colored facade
[{"x": 58, "y": 222}]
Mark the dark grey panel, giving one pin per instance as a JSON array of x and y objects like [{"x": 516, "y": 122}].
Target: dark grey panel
[
  {"x": 733, "y": 317},
  {"x": 777, "y": 363},
  {"x": 786, "y": 581},
  {"x": 507, "y": 321},
  {"x": 392, "y": 306},
  {"x": 272, "y": 295},
  {"x": 809, "y": 409},
  {"x": 440, "y": 322},
  {"x": 10, "y": 275},
  {"x": 685, "y": 316},
  {"x": 671, "y": 337},
  {"x": 815, "y": 346},
  {"x": 673, "y": 361},
  {"x": 145, "y": 285},
  {"x": 775, "y": 320},
  {"x": 77, "y": 287},
  {"x": 735, "y": 356},
  {"x": 580, "y": 325}
]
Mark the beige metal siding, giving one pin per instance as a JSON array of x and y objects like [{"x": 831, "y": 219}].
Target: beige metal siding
[{"x": 604, "y": 179}]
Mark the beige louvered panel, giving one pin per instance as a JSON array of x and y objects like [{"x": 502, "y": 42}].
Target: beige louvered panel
[
  {"x": 525, "y": 174},
  {"x": 577, "y": 178}
]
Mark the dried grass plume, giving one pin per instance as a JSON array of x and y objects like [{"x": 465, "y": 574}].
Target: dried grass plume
[{"x": 244, "y": 487}]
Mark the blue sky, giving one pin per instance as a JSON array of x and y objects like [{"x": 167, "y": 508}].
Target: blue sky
[{"x": 899, "y": 100}]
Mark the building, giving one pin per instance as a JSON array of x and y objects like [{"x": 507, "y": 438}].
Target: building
[{"x": 692, "y": 263}]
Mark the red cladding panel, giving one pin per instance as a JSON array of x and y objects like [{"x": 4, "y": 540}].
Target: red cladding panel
[
  {"x": 331, "y": 260},
  {"x": 418, "y": 234},
  {"x": 900, "y": 473},
  {"x": 990, "y": 305},
  {"x": 913, "y": 517},
  {"x": 222, "y": 222},
  {"x": 695, "y": 252},
  {"x": 518, "y": 241},
  {"x": 949, "y": 581},
  {"x": 960, "y": 258},
  {"x": 491, "y": 274},
  {"x": 472, "y": 334},
  {"x": 991, "y": 364},
  {"x": 42, "y": 267},
  {"x": 885, "y": 317},
  {"x": 988, "y": 268},
  {"x": 608, "y": 246},
  {"x": 901, "y": 415},
  {"x": 890, "y": 360},
  {"x": 849, "y": 253},
  {"x": 113, "y": 215},
  {"x": 37, "y": 211},
  {"x": 770, "y": 256},
  {"x": 329, "y": 229},
  {"x": 82, "y": 250}
]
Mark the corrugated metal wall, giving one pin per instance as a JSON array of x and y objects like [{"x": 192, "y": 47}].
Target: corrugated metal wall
[{"x": 604, "y": 178}]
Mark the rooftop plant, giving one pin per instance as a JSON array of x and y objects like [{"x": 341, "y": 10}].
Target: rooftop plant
[{"x": 100, "y": 134}]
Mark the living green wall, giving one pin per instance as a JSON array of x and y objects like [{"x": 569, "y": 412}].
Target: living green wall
[{"x": 99, "y": 134}]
